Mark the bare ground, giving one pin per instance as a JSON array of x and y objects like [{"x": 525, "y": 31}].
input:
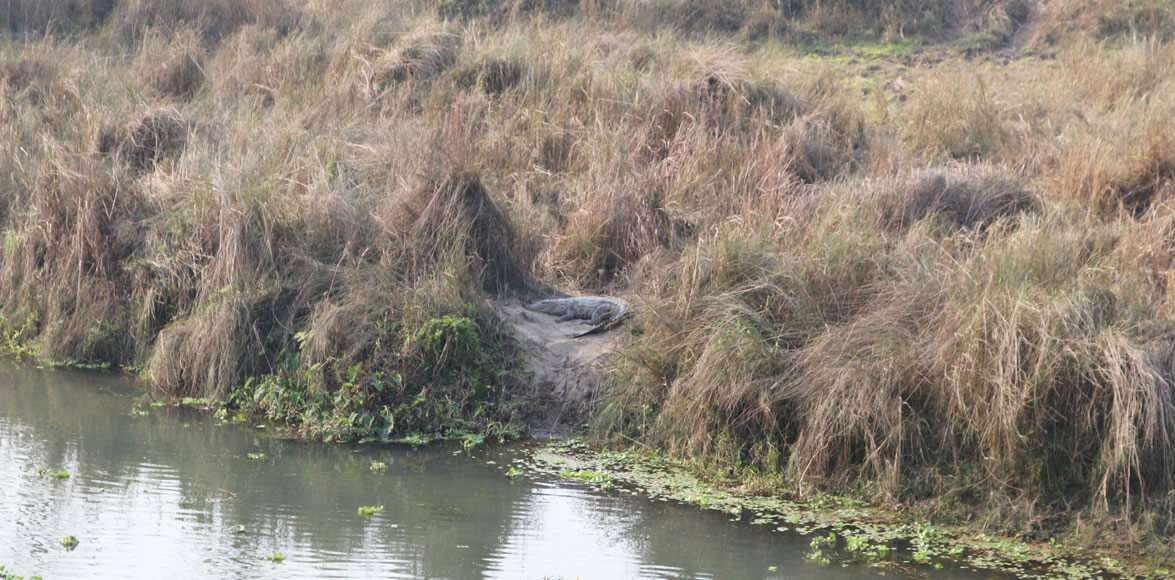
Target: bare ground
[{"x": 565, "y": 369}]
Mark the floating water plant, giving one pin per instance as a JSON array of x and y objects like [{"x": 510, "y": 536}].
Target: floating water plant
[
  {"x": 255, "y": 456},
  {"x": 70, "y": 542},
  {"x": 55, "y": 473},
  {"x": 276, "y": 557},
  {"x": 598, "y": 479},
  {"x": 379, "y": 466},
  {"x": 370, "y": 510},
  {"x": 5, "y": 574}
]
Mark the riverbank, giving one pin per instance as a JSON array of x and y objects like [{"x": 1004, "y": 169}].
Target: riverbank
[
  {"x": 919, "y": 255},
  {"x": 843, "y": 530}
]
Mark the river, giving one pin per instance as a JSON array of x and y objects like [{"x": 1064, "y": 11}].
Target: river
[{"x": 174, "y": 495}]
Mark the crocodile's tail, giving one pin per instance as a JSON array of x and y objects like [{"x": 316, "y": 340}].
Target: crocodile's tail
[{"x": 606, "y": 325}]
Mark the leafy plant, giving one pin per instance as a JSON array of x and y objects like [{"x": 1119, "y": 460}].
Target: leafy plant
[
  {"x": 819, "y": 549},
  {"x": 368, "y": 511}
]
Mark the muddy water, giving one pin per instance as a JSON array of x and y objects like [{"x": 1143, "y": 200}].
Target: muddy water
[{"x": 171, "y": 495}]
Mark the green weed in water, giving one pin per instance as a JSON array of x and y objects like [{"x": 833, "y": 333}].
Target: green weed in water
[
  {"x": 370, "y": 510},
  {"x": 819, "y": 544},
  {"x": 415, "y": 439},
  {"x": 514, "y": 472},
  {"x": 70, "y": 542},
  {"x": 5, "y": 574},
  {"x": 379, "y": 466},
  {"x": 255, "y": 456},
  {"x": 196, "y": 403},
  {"x": 592, "y": 477},
  {"x": 140, "y": 412},
  {"x": 55, "y": 473},
  {"x": 276, "y": 557}
]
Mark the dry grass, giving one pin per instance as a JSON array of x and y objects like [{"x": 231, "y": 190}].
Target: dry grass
[{"x": 946, "y": 282}]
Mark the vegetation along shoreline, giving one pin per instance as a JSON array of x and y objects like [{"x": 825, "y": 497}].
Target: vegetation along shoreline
[{"x": 918, "y": 254}]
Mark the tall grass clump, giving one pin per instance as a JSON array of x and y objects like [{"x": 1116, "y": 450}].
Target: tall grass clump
[{"x": 942, "y": 336}]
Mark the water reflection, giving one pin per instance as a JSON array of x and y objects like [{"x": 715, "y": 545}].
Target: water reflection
[{"x": 165, "y": 495}]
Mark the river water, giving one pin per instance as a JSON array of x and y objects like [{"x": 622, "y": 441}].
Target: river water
[{"x": 173, "y": 495}]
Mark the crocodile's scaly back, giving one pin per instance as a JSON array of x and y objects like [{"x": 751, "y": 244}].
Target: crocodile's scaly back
[{"x": 602, "y": 312}]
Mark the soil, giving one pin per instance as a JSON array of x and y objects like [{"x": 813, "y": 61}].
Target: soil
[{"x": 565, "y": 369}]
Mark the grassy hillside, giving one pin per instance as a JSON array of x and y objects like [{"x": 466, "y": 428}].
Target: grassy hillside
[{"x": 916, "y": 250}]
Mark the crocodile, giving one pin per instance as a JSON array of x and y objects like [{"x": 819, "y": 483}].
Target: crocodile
[{"x": 601, "y": 312}]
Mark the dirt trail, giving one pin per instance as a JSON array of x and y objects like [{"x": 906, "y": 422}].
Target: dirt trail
[{"x": 566, "y": 369}]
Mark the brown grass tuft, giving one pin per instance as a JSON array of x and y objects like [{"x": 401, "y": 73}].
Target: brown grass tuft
[
  {"x": 956, "y": 115},
  {"x": 968, "y": 197},
  {"x": 421, "y": 57},
  {"x": 145, "y": 142},
  {"x": 457, "y": 209},
  {"x": 494, "y": 76},
  {"x": 174, "y": 67},
  {"x": 613, "y": 232}
]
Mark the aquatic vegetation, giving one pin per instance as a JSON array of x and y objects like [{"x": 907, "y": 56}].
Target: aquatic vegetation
[
  {"x": 139, "y": 412},
  {"x": 515, "y": 471},
  {"x": 276, "y": 557},
  {"x": 370, "y": 510},
  {"x": 472, "y": 440},
  {"x": 55, "y": 473},
  {"x": 378, "y": 466},
  {"x": 416, "y": 439},
  {"x": 598, "y": 479},
  {"x": 6, "y": 574},
  {"x": 842, "y": 529},
  {"x": 70, "y": 542},
  {"x": 80, "y": 365},
  {"x": 820, "y": 546},
  {"x": 258, "y": 456},
  {"x": 197, "y": 402}
]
